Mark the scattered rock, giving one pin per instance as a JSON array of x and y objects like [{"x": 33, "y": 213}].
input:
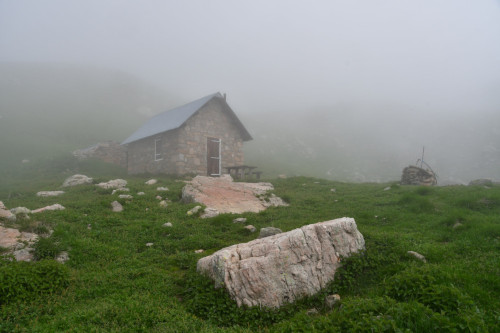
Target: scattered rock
[
  {"x": 168, "y": 224},
  {"x": 199, "y": 251},
  {"x": 312, "y": 312},
  {"x": 417, "y": 255},
  {"x": 332, "y": 300},
  {"x": 149, "y": 244},
  {"x": 49, "y": 193},
  {"x": 20, "y": 210},
  {"x": 387, "y": 188},
  {"x": 115, "y": 184},
  {"x": 89, "y": 226},
  {"x": 51, "y": 207},
  {"x": 282, "y": 176},
  {"x": 62, "y": 257},
  {"x": 269, "y": 231},
  {"x": 7, "y": 214},
  {"x": 210, "y": 212},
  {"x": 25, "y": 161},
  {"x": 122, "y": 189},
  {"x": 457, "y": 225},
  {"x": 25, "y": 254},
  {"x": 240, "y": 220},
  {"x": 413, "y": 175},
  {"x": 279, "y": 269},
  {"x": 250, "y": 228},
  {"x": 125, "y": 196},
  {"x": 163, "y": 204},
  {"x": 333, "y": 190},
  {"x": 116, "y": 206},
  {"x": 481, "y": 182},
  {"x": 141, "y": 193},
  {"x": 2, "y": 206},
  {"x": 161, "y": 188},
  {"x": 151, "y": 182},
  {"x": 77, "y": 180},
  {"x": 194, "y": 210},
  {"x": 226, "y": 196},
  {"x": 9, "y": 237},
  {"x": 158, "y": 197}
]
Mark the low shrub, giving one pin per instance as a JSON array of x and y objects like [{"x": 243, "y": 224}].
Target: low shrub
[
  {"x": 22, "y": 280},
  {"x": 46, "y": 248}
]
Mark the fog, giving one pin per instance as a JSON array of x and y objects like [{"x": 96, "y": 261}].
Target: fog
[{"x": 341, "y": 89}]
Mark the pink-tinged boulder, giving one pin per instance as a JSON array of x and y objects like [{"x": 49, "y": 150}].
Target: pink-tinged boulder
[
  {"x": 113, "y": 184},
  {"x": 282, "y": 268},
  {"x": 77, "y": 180},
  {"x": 51, "y": 207}
]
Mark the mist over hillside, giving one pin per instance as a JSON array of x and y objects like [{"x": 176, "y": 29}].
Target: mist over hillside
[
  {"x": 51, "y": 109},
  {"x": 374, "y": 142},
  {"x": 46, "y": 109}
]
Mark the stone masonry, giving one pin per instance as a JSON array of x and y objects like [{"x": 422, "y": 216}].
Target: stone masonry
[{"x": 184, "y": 150}]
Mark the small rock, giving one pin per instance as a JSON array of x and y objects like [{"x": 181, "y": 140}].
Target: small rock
[
  {"x": 141, "y": 193},
  {"x": 282, "y": 176},
  {"x": 332, "y": 300},
  {"x": 269, "y": 231},
  {"x": 51, "y": 207},
  {"x": 250, "y": 228},
  {"x": 2, "y": 206},
  {"x": 158, "y": 197},
  {"x": 193, "y": 210},
  {"x": 23, "y": 254},
  {"x": 49, "y": 193},
  {"x": 199, "y": 251},
  {"x": 151, "y": 182},
  {"x": 122, "y": 189},
  {"x": 161, "y": 188},
  {"x": 312, "y": 312},
  {"x": 240, "y": 220},
  {"x": 116, "y": 206},
  {"x": 481, "y": 182},
  {"x": 209, "y": 212},
  {"x": 417, "y": 255},
  {"x": 316, "y": 182},
  {"x": 333, "y": 190},
  {"x": 168, "y": 224},
  {"x": 125, "y": 196},
  {"x": 77, "y": 180},
  {"x": 163, "y": 204},
  {"x": 89, "y": 226},
  {"x": 149, "y": 244},
  {"x": 62, "y": 257},
  {"x": 387, "y": 188},
  {"x": 7, "y": 214},
  {"x": 115, "y": 183},
  {"x": 20, "y": 210},
  {"x": 457, "y": 225}
]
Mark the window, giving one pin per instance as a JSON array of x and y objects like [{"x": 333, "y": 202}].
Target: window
[{"x": 158, "y": 156}]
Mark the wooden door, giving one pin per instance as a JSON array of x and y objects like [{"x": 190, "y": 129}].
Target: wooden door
[{"x": 213, "y": 157}]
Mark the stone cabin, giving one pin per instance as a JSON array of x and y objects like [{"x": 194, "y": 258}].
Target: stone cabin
[{"x": 201, "y": 137}]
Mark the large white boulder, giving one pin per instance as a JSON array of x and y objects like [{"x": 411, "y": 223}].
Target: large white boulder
[{"x": 279, "y": 269}]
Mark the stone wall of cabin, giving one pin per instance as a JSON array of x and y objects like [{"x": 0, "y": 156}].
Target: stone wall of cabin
[
  {"x": 109, "y": 152},
  {"x": 184, "y": 150},
  {"x": 141, "y": 154},
  {"x": 209, "y": 121}
]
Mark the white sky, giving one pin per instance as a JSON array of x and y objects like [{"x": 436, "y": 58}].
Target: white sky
[{"x": 431, "y": 55}]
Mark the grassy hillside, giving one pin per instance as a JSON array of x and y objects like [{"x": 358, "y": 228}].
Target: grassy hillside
[{"x": 114, "y": 282}]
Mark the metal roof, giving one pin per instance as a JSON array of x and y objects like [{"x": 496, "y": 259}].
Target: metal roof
[{"x": 174, "y": 118}]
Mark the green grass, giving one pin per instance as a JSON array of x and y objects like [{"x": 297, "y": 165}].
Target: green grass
[{"x": 114, "y": 282}]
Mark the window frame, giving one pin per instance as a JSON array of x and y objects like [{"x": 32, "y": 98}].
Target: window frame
[{"x": 158, "y": 155}]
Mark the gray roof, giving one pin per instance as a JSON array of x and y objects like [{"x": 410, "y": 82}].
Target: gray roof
[{"x": 175, "y": 118}]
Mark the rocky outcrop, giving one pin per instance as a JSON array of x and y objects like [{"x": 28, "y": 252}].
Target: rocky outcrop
[
  {"x": 413, "y": 175},
  {"x": 279, "y": 269},
  {"x": 481, "y": 182},
  {"x": 269, "y": 231},
  {"x": 77, "y": 180},
  {"x": 223, "y": 195},
  {"x": 17, "y": 243}
]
